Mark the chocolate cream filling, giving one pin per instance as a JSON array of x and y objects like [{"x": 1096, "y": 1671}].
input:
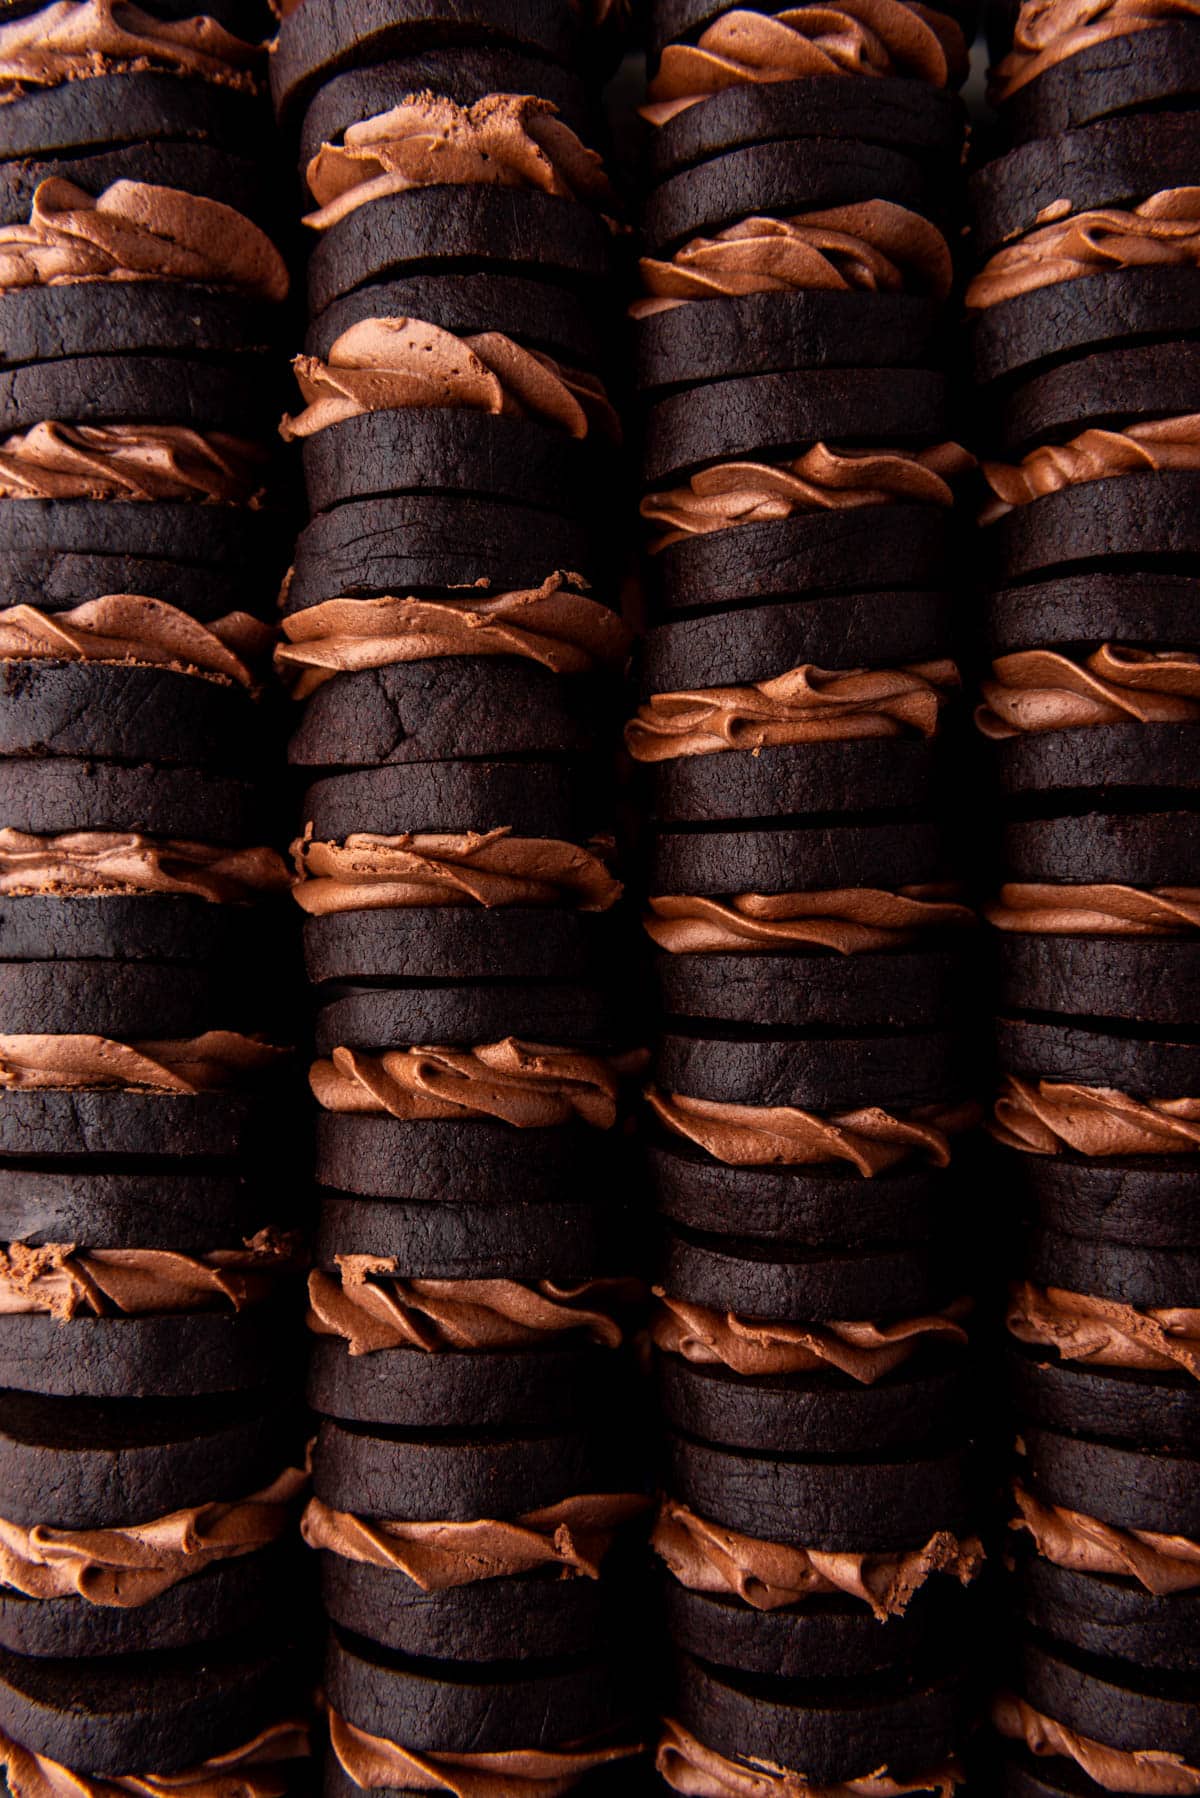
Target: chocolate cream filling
[
  {"x": 215, "y": 1062},
  {"x": 80, "y": 40},
  {"x": 255, "y": 1769},
  {"x": 488, "y": 868},
  {"x": 1080, "y": 1326},
  {"x": 1154, "y": 446},
  {"x": 1044, "y": 1117},
  {"x": 1037, "y": 690},
  {"x": 688, "y": 1765},
  {"x": 1050, "y": 32},
  {"x": 871, "y": 1139},
  {"x": 1145, "y": 1770},
  {"x": 849, "y": 920},
  {"x": 1161, "y": 232},
  {"x": 374, "y": 1763},
  {"x": 96, "y": 863},
  {"x": 131, "y": 462},
  {"x": 61, "y": 1280},
  {"x": 761, "y": 1348},
  {"x": 1160, "y": 1563}
]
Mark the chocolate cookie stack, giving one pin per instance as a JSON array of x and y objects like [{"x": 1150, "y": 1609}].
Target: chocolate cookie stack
[
  {"x": 810, "y": 1086},
  {"x": 149, "y": 1464},
  {"x": 1083, "y": 313},
  {"x": 451, "y": 637}
]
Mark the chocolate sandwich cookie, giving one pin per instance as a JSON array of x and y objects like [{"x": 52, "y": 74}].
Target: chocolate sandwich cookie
[
  {"x": 887, "y": 114},
  {"x": 578, "y": 1711},
  {"x": 84, "y": 1473},
  {"x": 171, "y": 1713},
  {"x": 1085, "y": 240},
  {"x": 122, "y": 1307},
  {"x": 1066, "y": 75},
  {"x": 754, "y": 1352},
  {"x": 1106, "y": 1548},
  {"x": 825, "y": 1731},
  {"x": 419, "y": 542},
  {"x": 1091, "y": 679},
  {"x": 1105, "y": 1343},
  {"x": 488, "y": 1551},
  {"x": 208, "y": 560},
  {"x": 317, "y": 42},
  {"x": 1106, "y": 1716}
]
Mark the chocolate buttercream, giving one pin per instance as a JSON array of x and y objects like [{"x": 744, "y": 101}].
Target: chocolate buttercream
[
  {"x": 1105, "y": 1332},
  {"x": 372, "y": 1309},
  {"x": 1150, "y": 1770},
  {"x": 853, "y": 37},
  {"x": 763, "y": 1347},
  {"x": 768, "y": 1576},
  {"x": 1162, "y": 1564},
  {"x": 214, "y": 1062},
  {"x": 821, "y": 479},
  {"x": 556, "y": 625},
  {"x": 805, "y": 705},
  {"x": 1049, "y": 32},
  {"x": 1043, "y": 909},
  {"x": 390, "y": 364},
  {"x": 128, "y": 1566},
  {"x": 137, "y": 232},
  {"x": 689, "y": 1766},
  {"x": 528, "y": 1085},
  {"x": 573, "y": 1536},
  {"x": 428, "y": 140},
  {"x": 872, "y": 1139},
  {"x": 1162, "y": 232},
  {"x": 489, "y": 868},
  {"x": 849, "y": 920},
  {"x": 1044, "y": 1117},
  {"x": 130, "y": 462},
  {"x": 374, "y": 1763},
  {"x": 127, "y": 628},
  {"x": 256, "y": 1769},
  {"x": 1040, "y": 690},
  {"x": 86, "y": 862},
  {"x": 78, "y": 40},
  {"x": 1151, "y": 447},
  {"x": 875, "y": 247},
  {"x": 61, "y": 1280}
]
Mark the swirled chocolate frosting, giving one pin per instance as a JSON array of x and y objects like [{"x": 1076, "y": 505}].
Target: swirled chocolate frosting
[
  {"x": 689, "y": 1765},
  {"x": 82, "y": 863},
  {"x": 1151, "y": 447},
  {"x": 428, "y": 140},
  {"x": 134, "y": 231},
  {"x": 130, "y": 629},
  {"x": 1039, "y": 690},
  {"x": 820, "y": 480},
  {"x": 61, "y": 1280},
  {"x": 374, "y": 1762},
  {"x": 78, "y": 40},
  {"x": 255, "y": 1769},
  {"x": 130, "y": 462},
  {"x": 488, "y": 868},
  {"x": 1046, "y": 909},
  {"x": 1049, "y": 32},
  {"x": 850, "y": 920},
  {"x": 1044, "y": 1117},
  {"x": 1080, "y": 1326},
  {"x": 873, "y": 247},
  {"x": 1161, "y": 1564},
  {"x": 214, "y": 1062},
  {"x": 528, "y": 1085},
  {"x": 1161, "y": 232},
  {"x": 871, "y": 1139},
  {"x": 760, "y": 1347},
  {"x": 1143, "y": 1770}
]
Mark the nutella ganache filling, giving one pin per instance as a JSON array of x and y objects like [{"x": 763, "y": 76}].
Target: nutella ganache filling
[
  {"x": 131, "y": 1564},
  {"x": 1144, "y": 1770},
  {"x": 1161, "y": 1564},
  {"x": 848, "y": 920},
  {"x": 374, "y": 1763},
  {"x": 875, "y": 247},
  {"x": 1037, "y": 690},
  {"x": 805, "y": 705},
  {"x": 390, "y": 364},
  {"x": 134, "y": 231},
  {"x": 1154, "y": 446},
  {"x": 770, "y": 1576},
  {"x": 528, "y": 1085},
  {"x": 488, "y": 868},
  {"x": 871, "y": 1139},
  {"x": 852, "y": 37},
  {"x": 130, "y": 630},
  {"x": 131, "y": 462},
  {"x": 821, "y": 479},
  {"x": 556, "y": 625},
  {"x": 63, "y": 1281},
  {"x": 688, "y": 1765},
  {"x": 1049, "y": 32},
  {"x": 1046, "y": 909},
  {"x": 572, "y": 1537},
  {"x": 1044, "y": 1117},
  {"x": 763, "y": 1347},
  {"x": 371, "y": 1308},
  {"x": 215, "y": 1062},
  {"x": 255, "y": 1769},
  {"x": 79, "y": 40},
  {"x": 502, "y": 140},
  {"x": 1105, "y": 1332},
  {"x": 1161, "y": 232},
  {"x": 96, "y": 863}
]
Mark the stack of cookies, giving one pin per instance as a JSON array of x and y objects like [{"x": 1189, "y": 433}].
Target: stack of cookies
[
  {"x": 810, "y": 1090},
  {"x": 1083, "y": 313},
  {"x": 451, "y": 639},
  {"x": 150, "y": 1462}
]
